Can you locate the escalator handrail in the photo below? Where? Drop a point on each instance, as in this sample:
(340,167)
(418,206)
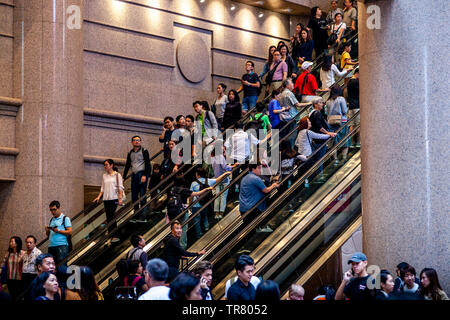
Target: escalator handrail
(258,219)
(120,213)
(94,205)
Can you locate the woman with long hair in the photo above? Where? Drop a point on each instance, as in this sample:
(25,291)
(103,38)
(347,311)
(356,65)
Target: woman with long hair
(112,191)
(337,106)
(267,65)
(46,286)
(430,288)
(12,266)
(220,103)
(304,49)
(233,110)
(328,72)
(292,65)
(89,289)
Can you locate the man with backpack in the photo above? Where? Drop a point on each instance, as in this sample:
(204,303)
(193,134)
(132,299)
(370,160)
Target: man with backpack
(177,203)
(200,184)
(259,120)
(59,232)
(251,85)
(138,159)
(137,253)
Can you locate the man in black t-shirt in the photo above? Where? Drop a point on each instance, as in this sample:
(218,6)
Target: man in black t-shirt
(355,285)
(173,250)
(250,83)
(319,27)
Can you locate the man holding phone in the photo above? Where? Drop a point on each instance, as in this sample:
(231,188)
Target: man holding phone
(204,271)
(354,285)
(58,230)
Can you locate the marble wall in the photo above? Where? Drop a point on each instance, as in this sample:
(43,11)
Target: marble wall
(405,136)
(6,45)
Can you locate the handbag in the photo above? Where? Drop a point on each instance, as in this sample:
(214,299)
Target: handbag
(271,73)
(285,116)
(124,197)
(333,36)
(334,120)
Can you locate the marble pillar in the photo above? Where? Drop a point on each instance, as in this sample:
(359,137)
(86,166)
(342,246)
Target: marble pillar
(48,77)
(405,134)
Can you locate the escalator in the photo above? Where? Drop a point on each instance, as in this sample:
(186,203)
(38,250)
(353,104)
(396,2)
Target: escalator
(296,207)
(92,219)
(155,236)
(102,256)
(105,258)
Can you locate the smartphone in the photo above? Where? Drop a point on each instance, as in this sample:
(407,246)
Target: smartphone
(353,272)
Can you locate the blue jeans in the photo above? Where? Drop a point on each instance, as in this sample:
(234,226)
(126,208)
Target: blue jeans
(59,253)
(138,189)
(249,102)
(200,219)
(183,238)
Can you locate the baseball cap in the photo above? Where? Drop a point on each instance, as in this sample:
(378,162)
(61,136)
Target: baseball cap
(357,257)
(306,65)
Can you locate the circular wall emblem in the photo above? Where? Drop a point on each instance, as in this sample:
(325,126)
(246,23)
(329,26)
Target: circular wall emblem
(193,58)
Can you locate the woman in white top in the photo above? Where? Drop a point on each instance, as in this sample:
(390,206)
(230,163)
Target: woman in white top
(306,136)
(112,191)
(220,103)
(338,27)
(328,72)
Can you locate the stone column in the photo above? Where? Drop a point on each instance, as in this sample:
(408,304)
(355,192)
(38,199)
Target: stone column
(405,135)
(48,77)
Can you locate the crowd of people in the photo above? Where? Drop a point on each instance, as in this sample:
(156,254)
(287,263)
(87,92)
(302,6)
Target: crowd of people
(288,84)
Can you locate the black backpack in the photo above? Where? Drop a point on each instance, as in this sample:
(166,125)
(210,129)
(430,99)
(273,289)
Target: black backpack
(166,165)
(255,124)
(69,237)
(206,196)
(123,266)
(174,203)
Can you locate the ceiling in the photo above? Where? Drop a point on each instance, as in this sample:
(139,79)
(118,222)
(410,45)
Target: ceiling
(280,6)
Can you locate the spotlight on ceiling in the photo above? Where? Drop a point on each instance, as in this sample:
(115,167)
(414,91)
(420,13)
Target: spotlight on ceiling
(201,1)
(260,15)
(260,3)
(232,7)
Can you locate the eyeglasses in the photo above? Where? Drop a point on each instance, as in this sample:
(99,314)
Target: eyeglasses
(136,139)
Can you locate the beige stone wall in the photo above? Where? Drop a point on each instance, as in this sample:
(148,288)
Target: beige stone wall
(6,47)
(131,66)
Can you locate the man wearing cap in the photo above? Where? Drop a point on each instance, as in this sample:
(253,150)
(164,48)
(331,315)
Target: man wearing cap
(306,84)
(354,285)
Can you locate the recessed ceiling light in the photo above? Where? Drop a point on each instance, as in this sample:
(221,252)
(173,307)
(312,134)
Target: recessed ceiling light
(232,7)
(260,15)
(260,3)
(201,1)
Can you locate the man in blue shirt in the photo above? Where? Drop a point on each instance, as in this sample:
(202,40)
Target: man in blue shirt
(57,231)
(242,289)
(252,191)
(202,218)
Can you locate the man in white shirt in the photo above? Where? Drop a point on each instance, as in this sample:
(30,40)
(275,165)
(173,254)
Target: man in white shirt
(29,269)
(156,273)
(238,149)
(240,143)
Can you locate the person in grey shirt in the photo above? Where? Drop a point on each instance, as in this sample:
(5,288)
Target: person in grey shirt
(138,160)
(334,9)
